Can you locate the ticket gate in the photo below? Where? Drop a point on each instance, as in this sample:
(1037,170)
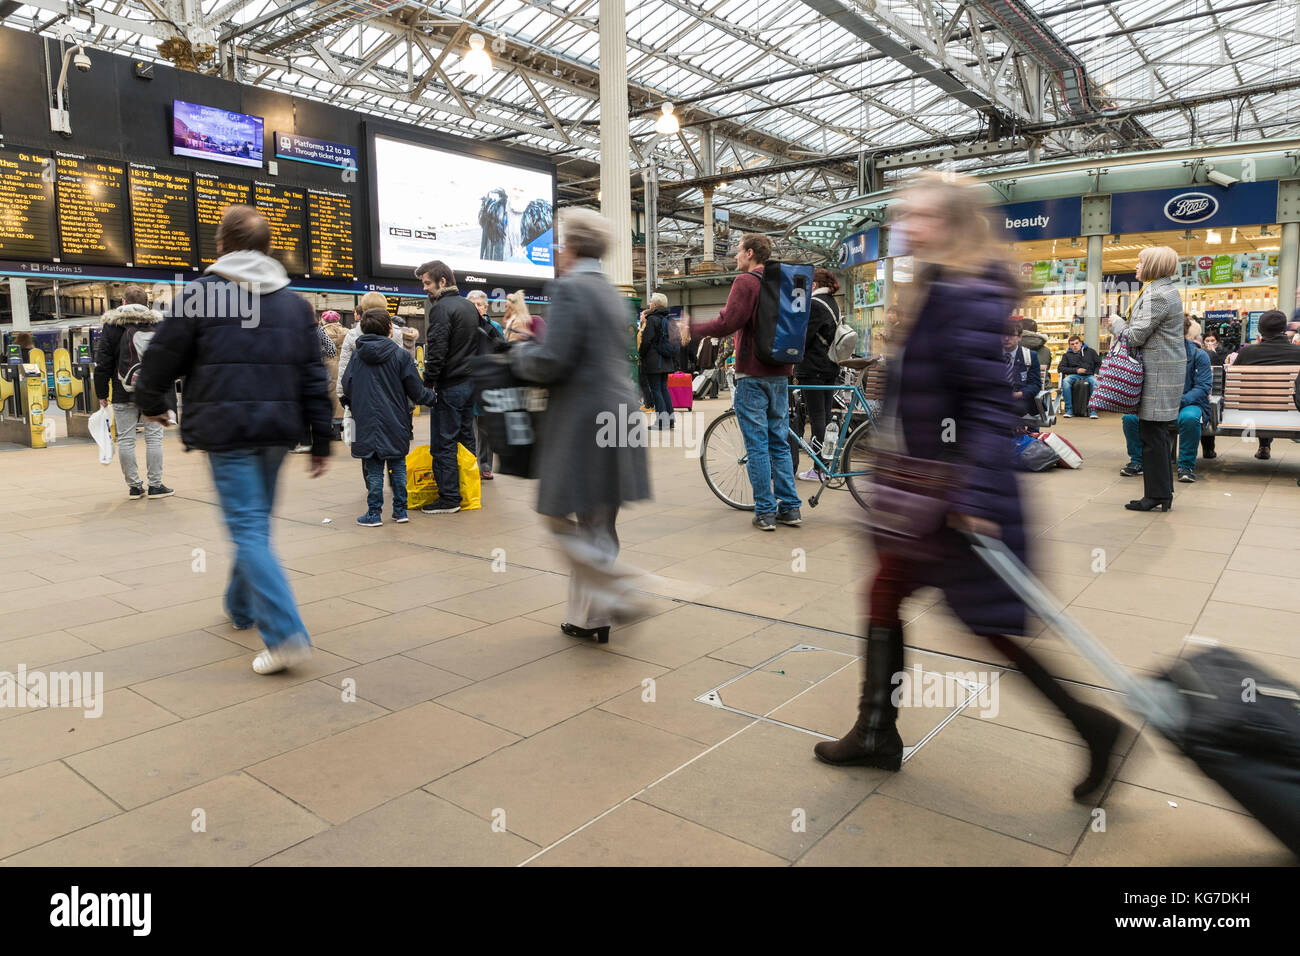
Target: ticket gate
(74,388)
(23,399)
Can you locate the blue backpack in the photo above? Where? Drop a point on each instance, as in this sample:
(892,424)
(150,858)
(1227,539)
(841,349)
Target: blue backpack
(781,322)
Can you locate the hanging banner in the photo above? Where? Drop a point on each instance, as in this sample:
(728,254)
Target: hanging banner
(860,248)
(1244,268)
(1152,210)
(721,231)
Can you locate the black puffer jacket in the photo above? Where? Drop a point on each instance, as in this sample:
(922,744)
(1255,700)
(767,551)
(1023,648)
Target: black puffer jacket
(823,320)
(251,360)
(108,352)
(656,325)
(453,339)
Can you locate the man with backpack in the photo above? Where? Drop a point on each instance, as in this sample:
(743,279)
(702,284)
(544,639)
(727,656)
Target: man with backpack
(126,334)
(761,398)
(660,346)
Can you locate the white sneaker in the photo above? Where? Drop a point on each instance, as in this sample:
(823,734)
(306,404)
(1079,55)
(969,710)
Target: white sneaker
(288,654)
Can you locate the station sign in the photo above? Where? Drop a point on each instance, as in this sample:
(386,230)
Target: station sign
(320,152)
(860,248)
(1156,210)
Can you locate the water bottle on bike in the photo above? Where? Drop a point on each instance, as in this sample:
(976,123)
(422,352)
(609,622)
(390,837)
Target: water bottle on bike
(831,440)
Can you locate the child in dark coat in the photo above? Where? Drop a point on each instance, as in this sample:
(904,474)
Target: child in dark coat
(376,385)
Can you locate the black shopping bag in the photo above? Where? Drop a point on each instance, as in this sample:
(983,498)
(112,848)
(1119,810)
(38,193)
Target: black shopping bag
(510,413)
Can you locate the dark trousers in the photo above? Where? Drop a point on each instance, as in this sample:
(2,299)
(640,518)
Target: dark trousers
(372,469)
(818,404)
(1157,467)
(663,403)
(451,423)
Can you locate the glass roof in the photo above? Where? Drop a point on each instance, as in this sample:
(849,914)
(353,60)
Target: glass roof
(779,83)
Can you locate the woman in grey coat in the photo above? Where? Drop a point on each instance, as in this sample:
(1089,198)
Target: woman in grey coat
(1156,328)
(590,457)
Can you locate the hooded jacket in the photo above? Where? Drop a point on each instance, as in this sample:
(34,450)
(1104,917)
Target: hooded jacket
(249,351)
(1037,342)
(117,322)
(656,327)
(377,384)
(823,322)
(350,343)
(453,339)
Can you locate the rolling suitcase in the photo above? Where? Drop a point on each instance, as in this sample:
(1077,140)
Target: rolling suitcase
(1237,722)
(679,390)
(1080,389)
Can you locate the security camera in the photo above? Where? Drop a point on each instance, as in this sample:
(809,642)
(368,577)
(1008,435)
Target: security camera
(81,62)
(1221,179)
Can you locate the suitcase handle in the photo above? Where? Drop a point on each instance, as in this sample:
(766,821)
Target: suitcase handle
(1157,701)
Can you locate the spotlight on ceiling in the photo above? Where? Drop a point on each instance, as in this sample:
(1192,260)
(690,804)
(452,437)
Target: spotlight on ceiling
(667,124)
(477,62)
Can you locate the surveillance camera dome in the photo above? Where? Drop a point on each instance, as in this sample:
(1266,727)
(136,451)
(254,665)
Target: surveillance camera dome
(82,62)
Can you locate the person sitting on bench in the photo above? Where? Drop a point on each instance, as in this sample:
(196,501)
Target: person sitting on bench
(1194,408)
(1273,348)
(1080,363)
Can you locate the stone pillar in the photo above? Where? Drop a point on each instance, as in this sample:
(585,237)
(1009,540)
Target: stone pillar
(18,305)
(615,164)
(1288,266)
(707,168)
(1092,315)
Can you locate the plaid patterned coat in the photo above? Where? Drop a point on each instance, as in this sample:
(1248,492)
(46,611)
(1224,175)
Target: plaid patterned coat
(1156,330)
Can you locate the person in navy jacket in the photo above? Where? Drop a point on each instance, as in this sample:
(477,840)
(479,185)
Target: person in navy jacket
(1023,372)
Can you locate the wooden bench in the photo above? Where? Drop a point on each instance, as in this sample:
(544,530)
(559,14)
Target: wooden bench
(1258,400)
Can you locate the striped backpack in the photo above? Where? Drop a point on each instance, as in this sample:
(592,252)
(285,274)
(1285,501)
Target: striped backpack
(1118,385)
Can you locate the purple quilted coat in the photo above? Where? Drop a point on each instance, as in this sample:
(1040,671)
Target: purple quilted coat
(969,403)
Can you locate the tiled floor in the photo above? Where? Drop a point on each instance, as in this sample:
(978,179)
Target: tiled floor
(444,719)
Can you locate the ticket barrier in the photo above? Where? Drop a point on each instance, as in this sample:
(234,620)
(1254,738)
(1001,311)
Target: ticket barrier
(23,400)
(74,388)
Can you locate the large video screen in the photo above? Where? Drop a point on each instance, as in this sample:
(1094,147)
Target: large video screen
(478,215)
(206,132)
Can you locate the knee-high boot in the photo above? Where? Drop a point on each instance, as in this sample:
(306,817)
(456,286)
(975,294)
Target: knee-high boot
(873,741)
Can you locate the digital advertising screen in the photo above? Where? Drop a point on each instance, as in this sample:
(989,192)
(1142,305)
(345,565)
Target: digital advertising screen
(483,217)
(223,136)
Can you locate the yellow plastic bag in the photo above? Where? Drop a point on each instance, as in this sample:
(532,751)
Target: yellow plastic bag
(422,490)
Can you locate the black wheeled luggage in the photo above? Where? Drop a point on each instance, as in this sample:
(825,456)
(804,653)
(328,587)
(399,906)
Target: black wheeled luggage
(1240,724)
(1080,389)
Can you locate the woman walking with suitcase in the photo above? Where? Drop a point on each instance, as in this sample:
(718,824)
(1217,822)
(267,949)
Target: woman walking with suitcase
(954,423)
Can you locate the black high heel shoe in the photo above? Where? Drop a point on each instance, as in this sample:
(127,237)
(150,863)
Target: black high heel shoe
(601,634)
(1151,504)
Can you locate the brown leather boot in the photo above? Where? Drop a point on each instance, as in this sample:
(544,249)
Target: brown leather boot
(873,741)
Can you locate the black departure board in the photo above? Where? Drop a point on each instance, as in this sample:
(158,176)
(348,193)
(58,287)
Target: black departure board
(91,213)
(26,206)
(330,235)
(162,213)
(212,195)
(286,210)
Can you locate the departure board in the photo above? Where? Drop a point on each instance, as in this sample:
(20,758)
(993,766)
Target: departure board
(162,213)
(330,235)
(91,214)
(26,206)
(285,209)
(212,195)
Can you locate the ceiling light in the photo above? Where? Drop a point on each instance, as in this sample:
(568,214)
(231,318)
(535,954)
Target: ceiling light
(1213,237)
(667,124)
(476,61)
(1270,248)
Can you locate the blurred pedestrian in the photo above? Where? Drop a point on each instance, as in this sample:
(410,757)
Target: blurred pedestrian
(590,461)
(817,367)
(253,381)
(959,416)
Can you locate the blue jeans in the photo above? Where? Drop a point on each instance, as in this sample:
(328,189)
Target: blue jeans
(259,592)
(1065,391)
(373,471)
(663,401)
(1189,437)
(763,411)
(451,423)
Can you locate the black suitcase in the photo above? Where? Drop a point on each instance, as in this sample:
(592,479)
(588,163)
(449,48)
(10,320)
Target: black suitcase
(1240,724)
(1080,390)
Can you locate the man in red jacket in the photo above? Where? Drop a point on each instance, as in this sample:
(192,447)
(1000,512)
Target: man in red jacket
(761,400)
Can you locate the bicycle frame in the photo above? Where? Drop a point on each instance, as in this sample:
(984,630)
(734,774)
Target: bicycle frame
(856,400)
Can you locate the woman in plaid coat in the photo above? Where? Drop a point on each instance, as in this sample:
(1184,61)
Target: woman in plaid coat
(1156,329)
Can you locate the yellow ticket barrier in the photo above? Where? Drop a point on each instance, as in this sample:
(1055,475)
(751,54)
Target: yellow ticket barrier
(37,358)
(66,385)
(34,375)
(419,367)
(6,390)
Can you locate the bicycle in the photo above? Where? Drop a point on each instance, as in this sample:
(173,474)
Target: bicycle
(724,461)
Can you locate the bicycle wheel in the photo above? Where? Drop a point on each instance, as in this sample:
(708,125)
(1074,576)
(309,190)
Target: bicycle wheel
(723,458)
(856,458)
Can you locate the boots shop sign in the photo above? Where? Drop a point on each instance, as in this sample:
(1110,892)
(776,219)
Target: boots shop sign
(1153,210)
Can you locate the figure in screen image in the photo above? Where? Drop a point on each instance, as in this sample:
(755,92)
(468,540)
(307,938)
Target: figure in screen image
(510,222)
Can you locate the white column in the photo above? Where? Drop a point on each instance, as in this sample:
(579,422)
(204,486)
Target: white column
(615,165)
(18,305)
(1092,315)
(708,225)
(1288,267)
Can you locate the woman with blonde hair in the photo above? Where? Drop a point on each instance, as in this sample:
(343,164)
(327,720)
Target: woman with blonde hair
(518,322)
(956,420)
(1155,330)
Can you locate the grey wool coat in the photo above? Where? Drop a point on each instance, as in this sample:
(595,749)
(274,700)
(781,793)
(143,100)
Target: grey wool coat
(1156,329)
(591,447)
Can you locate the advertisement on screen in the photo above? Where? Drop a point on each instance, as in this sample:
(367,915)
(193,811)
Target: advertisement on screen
(480,216)
(206,132)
